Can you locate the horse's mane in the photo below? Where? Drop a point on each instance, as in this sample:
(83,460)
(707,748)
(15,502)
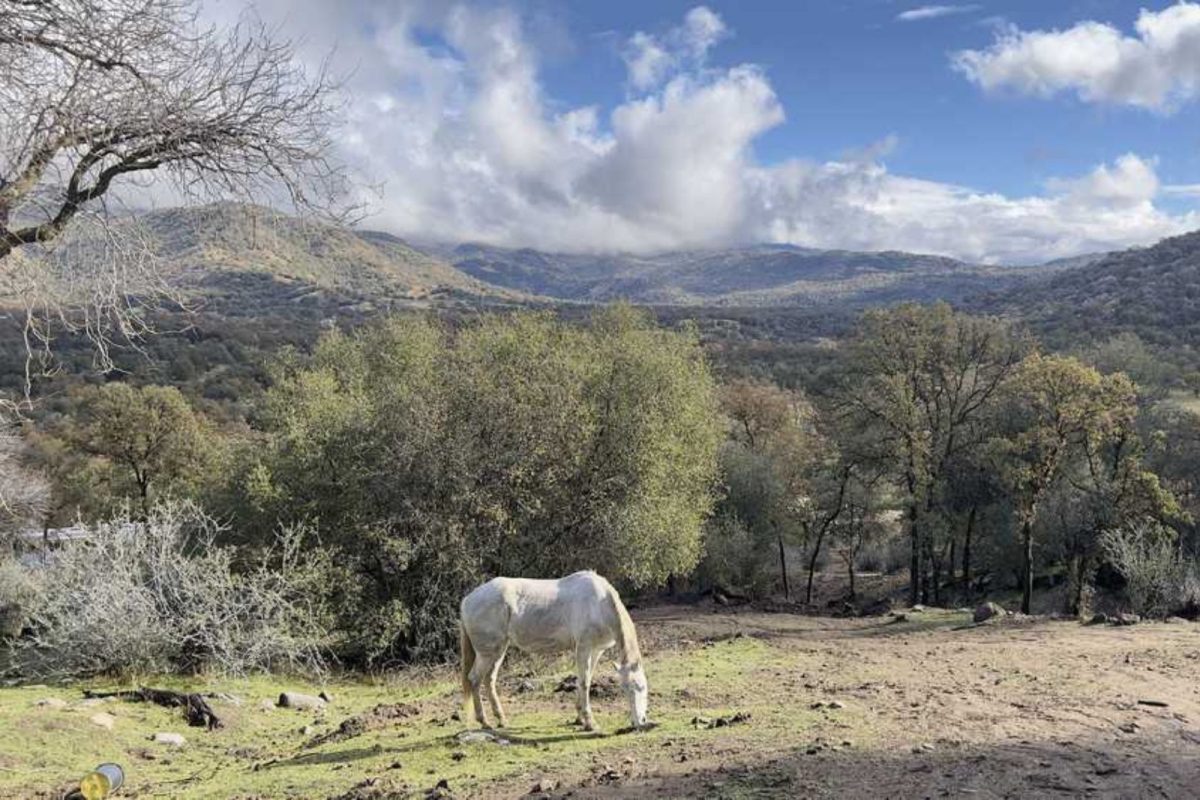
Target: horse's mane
(627,640)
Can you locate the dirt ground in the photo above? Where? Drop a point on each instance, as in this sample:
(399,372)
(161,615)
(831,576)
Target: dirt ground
(927,707)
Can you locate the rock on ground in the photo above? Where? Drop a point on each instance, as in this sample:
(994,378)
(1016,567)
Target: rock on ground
(989,610)
(103,720)
(173,739)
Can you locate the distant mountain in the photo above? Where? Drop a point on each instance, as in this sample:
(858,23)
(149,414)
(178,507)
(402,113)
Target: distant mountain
(761,275)
(1152,291)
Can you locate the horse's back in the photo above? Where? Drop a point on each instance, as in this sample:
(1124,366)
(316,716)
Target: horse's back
(540,614)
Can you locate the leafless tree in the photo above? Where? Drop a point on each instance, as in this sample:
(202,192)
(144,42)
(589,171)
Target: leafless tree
(107,102)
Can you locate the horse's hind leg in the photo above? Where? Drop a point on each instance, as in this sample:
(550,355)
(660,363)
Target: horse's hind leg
(479,673)
(583,663)
(493,697)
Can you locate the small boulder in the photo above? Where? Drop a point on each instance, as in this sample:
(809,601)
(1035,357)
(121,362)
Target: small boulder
(173,739)
(988,611)
(1126,618)
(103,720)
(544,786)
(51,702)
(1098,619)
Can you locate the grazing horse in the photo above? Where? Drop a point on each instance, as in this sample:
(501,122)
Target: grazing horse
(581,612)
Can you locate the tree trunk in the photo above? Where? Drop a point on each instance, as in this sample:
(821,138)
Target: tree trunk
(966,557)
(1027,564)
(144,489)
(926,565)
(853,593)
(812,565)
(914,566)
(952,560)
(787,591)
(1080,569)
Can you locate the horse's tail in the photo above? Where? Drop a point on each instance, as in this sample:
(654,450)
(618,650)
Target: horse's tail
(467,651)
(627,640)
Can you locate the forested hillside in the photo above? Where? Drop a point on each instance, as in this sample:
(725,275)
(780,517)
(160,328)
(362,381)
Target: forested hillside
(753,276)
(1151,291)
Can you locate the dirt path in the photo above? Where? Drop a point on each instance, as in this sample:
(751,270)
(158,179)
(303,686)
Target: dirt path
(928,707)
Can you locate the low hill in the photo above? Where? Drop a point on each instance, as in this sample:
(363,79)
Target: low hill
(235,251)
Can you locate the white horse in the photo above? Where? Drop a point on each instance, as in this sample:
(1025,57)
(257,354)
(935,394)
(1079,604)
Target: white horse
(581,612)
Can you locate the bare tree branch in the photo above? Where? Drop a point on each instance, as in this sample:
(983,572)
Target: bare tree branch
(97,92)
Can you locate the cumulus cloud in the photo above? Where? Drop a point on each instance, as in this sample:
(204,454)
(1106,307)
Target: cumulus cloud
(448,111)
(1158,68)
(863,206)
(649,59)
(933,12)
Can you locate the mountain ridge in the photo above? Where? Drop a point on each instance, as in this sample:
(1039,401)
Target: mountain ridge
(753,275)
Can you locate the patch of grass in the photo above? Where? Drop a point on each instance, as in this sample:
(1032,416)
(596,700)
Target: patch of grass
(261,751)
(929,620)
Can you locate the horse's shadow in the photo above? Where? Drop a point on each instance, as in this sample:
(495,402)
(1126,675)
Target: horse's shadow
(495,738)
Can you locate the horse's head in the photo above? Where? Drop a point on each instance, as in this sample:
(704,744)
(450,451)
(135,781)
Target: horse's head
(633,682)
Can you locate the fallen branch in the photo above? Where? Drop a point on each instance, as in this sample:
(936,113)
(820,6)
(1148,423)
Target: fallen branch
(199,714)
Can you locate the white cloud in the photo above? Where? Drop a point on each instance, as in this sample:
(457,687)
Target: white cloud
(1182,190)
(863,206)
(933,12)
(651,59)
(449,112)
(1157,69)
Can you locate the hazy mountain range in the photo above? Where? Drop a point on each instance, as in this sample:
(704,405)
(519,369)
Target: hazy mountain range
(247,260)
(757,275)
(227,246)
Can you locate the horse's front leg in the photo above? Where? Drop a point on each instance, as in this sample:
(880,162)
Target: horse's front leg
(583,664)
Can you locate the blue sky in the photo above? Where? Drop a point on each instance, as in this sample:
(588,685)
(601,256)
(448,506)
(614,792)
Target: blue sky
(850,73)
(998,130)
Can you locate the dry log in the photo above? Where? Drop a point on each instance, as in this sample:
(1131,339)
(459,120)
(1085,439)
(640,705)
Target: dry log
(197,710)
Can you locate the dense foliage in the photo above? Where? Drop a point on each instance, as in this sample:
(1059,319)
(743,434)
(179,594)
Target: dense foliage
(421,455)
(516,445)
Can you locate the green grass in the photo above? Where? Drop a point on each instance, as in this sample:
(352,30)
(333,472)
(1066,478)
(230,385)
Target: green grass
(262,752)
